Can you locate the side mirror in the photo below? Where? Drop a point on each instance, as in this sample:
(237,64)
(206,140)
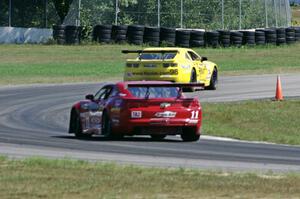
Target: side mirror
(204,59)
(89,97)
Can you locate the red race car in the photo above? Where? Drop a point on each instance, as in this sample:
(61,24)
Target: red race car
(152,108)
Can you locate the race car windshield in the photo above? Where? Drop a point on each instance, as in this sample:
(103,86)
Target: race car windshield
(157,56)
(154,92)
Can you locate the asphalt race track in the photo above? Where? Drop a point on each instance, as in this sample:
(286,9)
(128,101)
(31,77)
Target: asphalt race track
(34,121)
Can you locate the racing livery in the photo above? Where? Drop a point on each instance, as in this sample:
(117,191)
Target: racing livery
(181,65)
(152,108)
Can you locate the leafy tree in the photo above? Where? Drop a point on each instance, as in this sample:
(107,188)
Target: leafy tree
(62,8)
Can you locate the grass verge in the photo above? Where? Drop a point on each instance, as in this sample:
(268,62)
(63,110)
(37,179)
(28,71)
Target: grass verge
(56,64)
(267,120)
(42,178)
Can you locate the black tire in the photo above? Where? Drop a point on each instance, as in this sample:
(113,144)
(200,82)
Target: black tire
(192,80)
(213,80)
(189,134)
(133,28)
(197,43)
(158,137)
(106,128)
(76,126)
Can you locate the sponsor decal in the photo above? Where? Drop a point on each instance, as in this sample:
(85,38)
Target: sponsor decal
(136,114)
(95,120)
(165,114)
(185,66)
(165,105)
(118,103)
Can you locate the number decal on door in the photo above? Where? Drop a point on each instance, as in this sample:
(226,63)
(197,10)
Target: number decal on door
(195,114)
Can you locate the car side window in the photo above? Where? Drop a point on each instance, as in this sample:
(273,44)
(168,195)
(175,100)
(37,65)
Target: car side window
(187,56)
(104,93)
(194,56)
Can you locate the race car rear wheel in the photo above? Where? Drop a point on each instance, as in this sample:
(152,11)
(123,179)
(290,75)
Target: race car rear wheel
(192,80)
(213,80)
(189,134)
(158,137)
(106,125)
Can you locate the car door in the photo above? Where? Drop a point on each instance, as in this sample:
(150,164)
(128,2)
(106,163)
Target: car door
(101,98)
(199,66)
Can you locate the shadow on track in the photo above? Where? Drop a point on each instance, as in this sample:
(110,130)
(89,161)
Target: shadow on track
(125,139)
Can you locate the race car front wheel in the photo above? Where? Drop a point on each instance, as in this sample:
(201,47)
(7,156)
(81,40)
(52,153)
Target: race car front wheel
(78,127)
(213,80)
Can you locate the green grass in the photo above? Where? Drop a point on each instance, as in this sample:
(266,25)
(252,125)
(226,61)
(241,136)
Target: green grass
(54,64)
(296,15)
(267,120)
(42,178)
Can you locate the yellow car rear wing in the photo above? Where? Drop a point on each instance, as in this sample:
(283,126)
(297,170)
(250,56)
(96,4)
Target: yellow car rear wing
(149,51)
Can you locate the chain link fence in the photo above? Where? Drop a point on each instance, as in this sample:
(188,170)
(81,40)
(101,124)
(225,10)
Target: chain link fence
(204,14)
(28,13)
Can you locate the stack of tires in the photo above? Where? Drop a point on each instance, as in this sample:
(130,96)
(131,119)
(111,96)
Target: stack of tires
(167,36)
(73,34)
(118,34)
(102,33)
(59,34)
(183,38)
(151,36)
(281,36)
(197,38)
(260,37)
(290,35)
(135,34)
(297,33)
(212,38)
(236,38)
(271,36)
(248,38)
(224,38)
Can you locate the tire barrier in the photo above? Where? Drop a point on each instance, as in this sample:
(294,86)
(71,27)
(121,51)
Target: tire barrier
(260,37)
(248,38)
(183,38)
(59,34)
(167,36)
(135,34)
(297,33)
(281,36)
(290,35)
(73,34)
(271,36)
(102,33)
(224,38)
(197,38)
(118,34)
(151,36)
(212,38)
(155,36)
(236,38)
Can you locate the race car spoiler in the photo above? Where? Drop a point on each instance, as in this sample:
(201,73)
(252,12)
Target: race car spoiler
(180,85)
(149,51)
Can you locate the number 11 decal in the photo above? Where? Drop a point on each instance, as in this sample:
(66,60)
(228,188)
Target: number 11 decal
(195,114)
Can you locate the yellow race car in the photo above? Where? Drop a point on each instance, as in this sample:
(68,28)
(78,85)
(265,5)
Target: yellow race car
(180,65)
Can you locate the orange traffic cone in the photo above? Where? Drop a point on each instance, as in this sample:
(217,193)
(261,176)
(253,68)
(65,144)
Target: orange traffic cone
(278,96)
